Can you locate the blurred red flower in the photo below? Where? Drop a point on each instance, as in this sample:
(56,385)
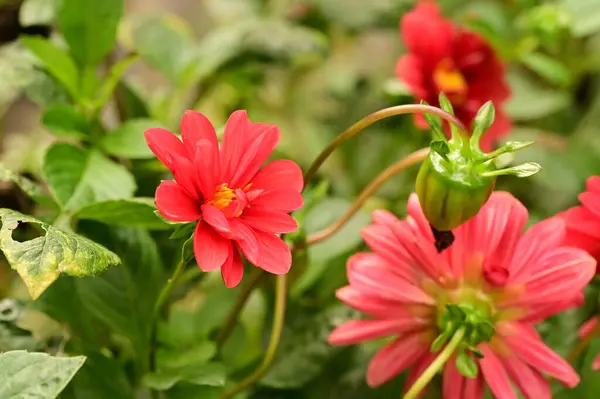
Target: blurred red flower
(238,205)
(445,58)
(513,279)
(583,221)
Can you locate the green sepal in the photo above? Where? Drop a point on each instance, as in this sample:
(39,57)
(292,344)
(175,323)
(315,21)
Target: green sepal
(441,147)
(466,365)
(482,122)
(435,122)
(524,170)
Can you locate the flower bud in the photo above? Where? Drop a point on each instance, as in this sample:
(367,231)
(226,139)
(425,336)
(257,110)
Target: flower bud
(457,178)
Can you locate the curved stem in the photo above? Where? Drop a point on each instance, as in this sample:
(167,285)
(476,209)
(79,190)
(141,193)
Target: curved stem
(240,301)
(371,119)
(278,319)
(583,343)
(158,308)
(436,365)
(384,176)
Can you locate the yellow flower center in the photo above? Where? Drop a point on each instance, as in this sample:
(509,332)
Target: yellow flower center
(450,81)
(223,196)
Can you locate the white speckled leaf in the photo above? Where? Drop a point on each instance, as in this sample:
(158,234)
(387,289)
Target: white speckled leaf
(40,261)
(35,375)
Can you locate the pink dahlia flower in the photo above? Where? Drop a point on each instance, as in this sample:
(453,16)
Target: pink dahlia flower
(238,204)
(588,328)
(513,279)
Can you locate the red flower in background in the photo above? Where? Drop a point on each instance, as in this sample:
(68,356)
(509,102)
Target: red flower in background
(239,206)
(583,221)
(444,58)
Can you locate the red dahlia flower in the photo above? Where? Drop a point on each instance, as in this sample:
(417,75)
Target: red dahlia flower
(237,204)
(509,279)
(583,221)
(588,328)
(445,58)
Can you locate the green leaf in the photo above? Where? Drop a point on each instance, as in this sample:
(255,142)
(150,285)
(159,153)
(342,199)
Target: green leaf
(58,63)
(66,121)
(435,122)
(304,350)
(123,297)
(190,356)
(100,378)
(90,28)
(128,141)
(585,16)
(110,83)
(183,230)
(134,212)
(35,375)
(211,374)
(41,260)
(466,365)
(33,190)
(548,68)
(130,102)
(79,177)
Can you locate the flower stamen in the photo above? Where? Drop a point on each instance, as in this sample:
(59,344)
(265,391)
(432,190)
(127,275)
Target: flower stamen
(223,197)
(449,80)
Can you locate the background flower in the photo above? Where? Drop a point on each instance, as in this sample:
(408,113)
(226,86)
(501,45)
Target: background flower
(443,57)
(511,279)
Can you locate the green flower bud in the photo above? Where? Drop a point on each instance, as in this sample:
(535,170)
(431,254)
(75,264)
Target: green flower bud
(457,178)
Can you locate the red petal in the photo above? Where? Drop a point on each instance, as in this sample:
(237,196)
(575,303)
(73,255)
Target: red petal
(285,200)
(495,375)
(257,153)
(195,129)
(206,164)
(246,240)
(269,221)
(355,331)
(185,175)
(175,204)
(279,174)
(211,250)
(232,145)
(427,34)
(275,255)
(217,220)
(233,269)
(409,71)
(164,145)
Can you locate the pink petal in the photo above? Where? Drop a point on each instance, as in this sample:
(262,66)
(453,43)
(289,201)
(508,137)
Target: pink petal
(255,155)
(356,331)
(528,346)
(427,34)
(164,145)
(417,369)
(396,356)
(452,380)
(588,326)
(233,143)
(591,201)
(269,221)
(275,254)
(541,311)
(532,384)
(495,375)
(233,269)
(215,218)
(596,363)
(197,131)
(285,200)
(379,281)
(211,250)
(246,240)
(474,388)
(560,271)
(372,305)
(279,174)
(175,204)
(417,220)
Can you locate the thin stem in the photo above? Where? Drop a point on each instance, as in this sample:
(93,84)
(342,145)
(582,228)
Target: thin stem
(278,321)
(383,177)
(583,343)
(436,365)
(371,119)
(158,308)
(238,306)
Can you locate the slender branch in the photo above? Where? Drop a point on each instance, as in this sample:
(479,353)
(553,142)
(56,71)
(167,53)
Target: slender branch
(384,176)
(371,119)
(158,308)
(278,321)
(583,343)
(436,365)
(238,306)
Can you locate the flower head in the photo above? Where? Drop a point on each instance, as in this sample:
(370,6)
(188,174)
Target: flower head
(445,58)
(495,280)
(583,221)
(239,206)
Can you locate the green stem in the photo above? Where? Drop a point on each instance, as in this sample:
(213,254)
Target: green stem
(278,320)
(238,306)
(371,119)
(436,365)
(158,308)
